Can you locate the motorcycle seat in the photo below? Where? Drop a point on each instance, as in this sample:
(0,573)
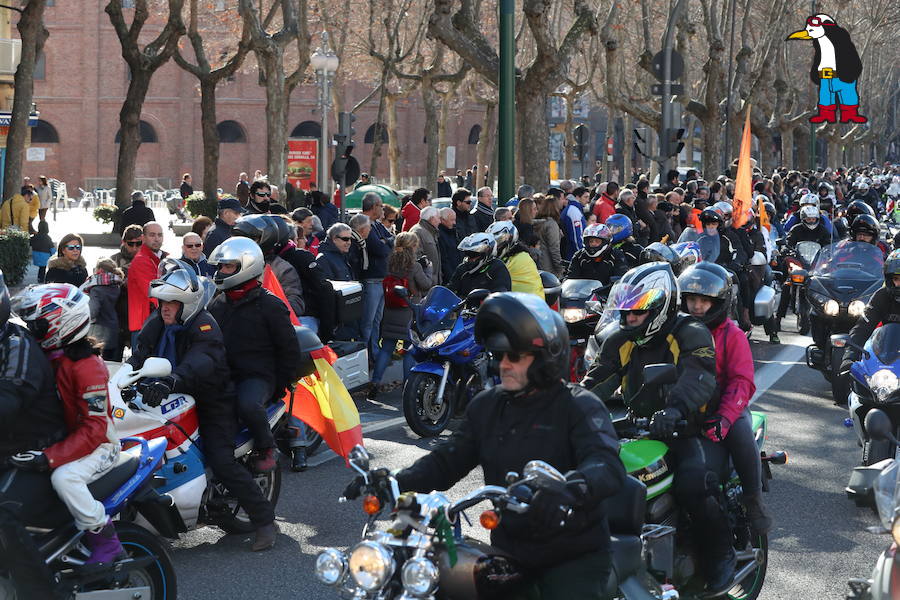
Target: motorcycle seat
(129,461)
(626,560)
(626,510)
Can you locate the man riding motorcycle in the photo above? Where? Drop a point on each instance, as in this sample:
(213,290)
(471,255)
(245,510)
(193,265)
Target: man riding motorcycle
(598,259)
(865,229)
(621,229)
(809,200)
(883,307)
(809,229)
(651,331)
(479,269)
(534,415)
(523,272)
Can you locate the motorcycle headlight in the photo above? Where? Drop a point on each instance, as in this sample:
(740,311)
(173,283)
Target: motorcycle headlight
(883,383)
(856,308)
(573,315)
(331,565)
(436,339)
(371,565)
(419,577)
(832,308)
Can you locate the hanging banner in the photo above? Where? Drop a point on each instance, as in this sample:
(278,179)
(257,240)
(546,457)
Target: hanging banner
(302,162)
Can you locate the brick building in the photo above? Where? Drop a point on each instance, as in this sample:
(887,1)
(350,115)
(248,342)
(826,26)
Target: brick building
(80,84)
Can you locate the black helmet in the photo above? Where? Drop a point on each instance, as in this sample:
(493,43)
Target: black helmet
(856,208)
(710,280)
(4,303)
(891,269)
(659,252)
(865,224)
(711,215)
(651,287)
(262,229)
(518,322)
(770,210)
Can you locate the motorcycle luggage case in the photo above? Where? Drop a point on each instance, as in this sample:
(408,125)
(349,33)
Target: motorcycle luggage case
(764,304)
(349,299)
(862,482)
(352,365)
(309,342)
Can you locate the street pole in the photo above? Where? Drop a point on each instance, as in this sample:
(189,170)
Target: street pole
(323,151)
(812,127)
(726,149)
(664,159)
(325,63)
(506,170)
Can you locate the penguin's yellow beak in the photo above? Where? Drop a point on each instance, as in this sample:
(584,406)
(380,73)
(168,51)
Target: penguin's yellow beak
(799,35)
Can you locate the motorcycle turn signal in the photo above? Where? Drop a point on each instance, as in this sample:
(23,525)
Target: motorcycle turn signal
(371,505)
(490,520)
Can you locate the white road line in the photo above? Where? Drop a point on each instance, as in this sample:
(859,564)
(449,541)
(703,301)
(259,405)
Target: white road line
(328,454)
(778,366)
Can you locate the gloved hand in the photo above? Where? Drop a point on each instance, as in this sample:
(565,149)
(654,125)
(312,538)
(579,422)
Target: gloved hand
(663,422)
(378,485)
(550,507)
(154,391)
(716,428)
(845,368)
(31,460)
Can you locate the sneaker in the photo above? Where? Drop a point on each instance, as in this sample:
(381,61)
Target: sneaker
(760,521)
(104,544)
(720,573)
(265,461)
(265,537)
(774,339)
(298,460)
(373,391)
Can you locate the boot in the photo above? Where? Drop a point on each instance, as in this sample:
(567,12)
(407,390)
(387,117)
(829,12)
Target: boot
(372,393)
(720,572)
(773,338)
(265,537)
(104,544)
(265,460)
(827,114)
(760,521)
(298,460)
(849,114)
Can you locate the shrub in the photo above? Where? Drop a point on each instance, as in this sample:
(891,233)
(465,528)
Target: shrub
(197,205)
(106,213)
(15,253)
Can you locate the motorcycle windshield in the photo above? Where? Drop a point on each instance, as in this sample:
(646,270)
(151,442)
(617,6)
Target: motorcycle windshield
(852,260)
(808,251)
(887,494)
(436,310)
(709,247)
(580,289)
(886,343)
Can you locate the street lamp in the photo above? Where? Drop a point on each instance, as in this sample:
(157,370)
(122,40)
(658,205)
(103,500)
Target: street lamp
(325,63)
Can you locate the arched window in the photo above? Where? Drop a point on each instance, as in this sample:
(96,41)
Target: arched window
(231,132)
(44,133)
(307,129)
(474,134)
(370,134)
(148,134)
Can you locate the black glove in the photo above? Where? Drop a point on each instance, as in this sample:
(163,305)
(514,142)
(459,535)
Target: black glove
(154,391)
(378,485)
(551,506)
(31,460)
(663,422)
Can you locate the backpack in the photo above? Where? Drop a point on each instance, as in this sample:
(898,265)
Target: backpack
(391,299)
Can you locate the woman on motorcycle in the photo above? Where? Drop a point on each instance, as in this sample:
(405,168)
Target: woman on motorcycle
(523,272)
(59,316)
(479,269)
(706,293)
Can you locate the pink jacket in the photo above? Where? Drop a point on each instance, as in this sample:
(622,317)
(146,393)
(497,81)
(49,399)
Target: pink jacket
(734,370)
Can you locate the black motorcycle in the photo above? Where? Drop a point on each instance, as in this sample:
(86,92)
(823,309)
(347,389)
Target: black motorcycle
(841,281)
(796,264)
(581,304)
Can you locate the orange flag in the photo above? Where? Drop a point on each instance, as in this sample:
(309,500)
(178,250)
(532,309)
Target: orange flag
(270,282)
(743,191)
(763,215)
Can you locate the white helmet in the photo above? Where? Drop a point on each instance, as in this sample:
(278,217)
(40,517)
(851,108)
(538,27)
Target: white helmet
(177,282)
(477,250)
(601,232)
(810,199)
(58,314)
(863,187)
(243,252)
(505,234)
(809,212)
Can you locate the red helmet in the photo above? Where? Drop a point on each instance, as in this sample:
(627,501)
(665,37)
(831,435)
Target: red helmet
(57,314)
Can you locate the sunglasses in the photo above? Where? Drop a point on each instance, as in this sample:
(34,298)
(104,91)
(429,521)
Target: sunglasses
(466,201)
(136,244)
(638,313)
(513,357)
(264,194)
(345,239)
(193,245)
(73,247)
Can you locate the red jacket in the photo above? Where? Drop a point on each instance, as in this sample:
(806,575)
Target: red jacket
(410,214)
(141,272)
(604,207)
(734,370)
(82,388)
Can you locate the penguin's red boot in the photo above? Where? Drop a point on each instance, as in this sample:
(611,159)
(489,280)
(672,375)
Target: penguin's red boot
(827,114)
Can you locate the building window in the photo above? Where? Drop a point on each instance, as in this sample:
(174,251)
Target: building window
(231,132)
(370,134)
(307,129)
(219,5)
(40,66)
(44,133)
(148,134)
(475,134)
(127,3)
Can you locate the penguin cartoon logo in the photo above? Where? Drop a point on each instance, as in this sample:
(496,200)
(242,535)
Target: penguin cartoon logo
(835,68)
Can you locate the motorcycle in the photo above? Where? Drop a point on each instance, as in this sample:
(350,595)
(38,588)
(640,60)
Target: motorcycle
(797,262)
(129,488)
(581,305)
(451,367)
(843,278)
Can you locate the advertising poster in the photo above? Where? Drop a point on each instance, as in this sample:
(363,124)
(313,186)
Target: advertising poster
(302,162)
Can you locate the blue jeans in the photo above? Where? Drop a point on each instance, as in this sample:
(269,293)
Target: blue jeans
(373,309)
(835,91)
(383,359)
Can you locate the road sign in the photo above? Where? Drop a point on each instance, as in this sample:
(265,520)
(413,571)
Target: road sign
(657,89)
(677,65)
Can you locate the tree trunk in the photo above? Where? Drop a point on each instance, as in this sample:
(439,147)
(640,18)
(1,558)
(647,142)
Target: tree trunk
(429,103)
(210,137)
(442,130)
(485,151)
(130,136)
(568,149)
(531,110)
(393,140)
(787,148)
(379,121)
(801,138)
(768,155)
(33,34)
(711,146)
(276,114)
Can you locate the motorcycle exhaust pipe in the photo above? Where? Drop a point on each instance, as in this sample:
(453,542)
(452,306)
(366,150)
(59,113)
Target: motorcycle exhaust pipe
(747,569)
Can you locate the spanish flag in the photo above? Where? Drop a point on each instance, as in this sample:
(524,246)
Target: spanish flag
(743,189)
(322,401)
(270,282)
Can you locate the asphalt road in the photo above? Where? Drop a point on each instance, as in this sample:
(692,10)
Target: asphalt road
(820,538)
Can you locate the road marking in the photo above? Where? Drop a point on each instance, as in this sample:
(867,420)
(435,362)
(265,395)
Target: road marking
(777,367)
(328,454)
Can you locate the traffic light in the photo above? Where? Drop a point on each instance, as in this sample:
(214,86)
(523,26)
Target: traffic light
(581,142)
(345,168)
(640,144)
(672,142)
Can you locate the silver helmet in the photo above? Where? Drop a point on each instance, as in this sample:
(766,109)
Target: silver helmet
(178,282)
(244,253)
(477,250)
(505,234)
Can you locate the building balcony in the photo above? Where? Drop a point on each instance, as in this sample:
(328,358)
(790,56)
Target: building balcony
(10,53)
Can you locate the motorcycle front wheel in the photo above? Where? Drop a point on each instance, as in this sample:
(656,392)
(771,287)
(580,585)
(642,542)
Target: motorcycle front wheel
(425,414)
(840,385)
(751,586)
(802,313)
(233,518)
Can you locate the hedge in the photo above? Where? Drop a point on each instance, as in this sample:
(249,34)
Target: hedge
(106,213)
(197,206)
(15,254)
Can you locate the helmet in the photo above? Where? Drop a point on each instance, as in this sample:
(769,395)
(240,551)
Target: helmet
(265,230)
(863,187)
(659,252)
(865,224)
(711,215)
(856,208)
(651,287)
(809,212)
(4,303)
(824,186)
(619,226)
(505,234)
(724,208)
(58,314)
(241,251)
(770,210)
(689,253)
(808,199)
(478,250)
(891,269)
(710,280)
(518,322)
(600,232)
(177,282)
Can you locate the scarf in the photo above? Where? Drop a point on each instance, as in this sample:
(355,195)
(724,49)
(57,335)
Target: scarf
(236,293)
(166,347)
(361,241)
(481,208)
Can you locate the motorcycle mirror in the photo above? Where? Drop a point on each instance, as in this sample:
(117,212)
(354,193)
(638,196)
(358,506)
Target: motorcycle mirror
(878,425)
(511,477)
(594,306)
(843,340)
(476,297)
(401,291)
(541,471)
(660,373)
(359,459)
(156,367)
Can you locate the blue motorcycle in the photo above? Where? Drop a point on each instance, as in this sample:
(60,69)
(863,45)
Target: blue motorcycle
(128,489)
(451,366)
